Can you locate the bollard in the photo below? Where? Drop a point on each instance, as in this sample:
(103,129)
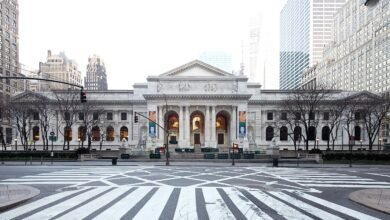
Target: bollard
(114,160)
(275,162)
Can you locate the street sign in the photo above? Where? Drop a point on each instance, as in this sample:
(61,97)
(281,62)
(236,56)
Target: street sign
(52,138)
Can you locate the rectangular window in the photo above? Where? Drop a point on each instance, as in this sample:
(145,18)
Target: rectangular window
(270,116)
(297,116)
(311,116)
(95,116)
(36,116)
(326,115)
(357,116)
(123,116)
(109,116)
(283,116)
(67,116)
(81,116)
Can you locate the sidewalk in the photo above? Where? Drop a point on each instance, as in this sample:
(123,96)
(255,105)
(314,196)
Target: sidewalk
(11,195)
(378,199)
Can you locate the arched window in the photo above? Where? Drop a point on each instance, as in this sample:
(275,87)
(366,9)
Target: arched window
(269,133)
(96,133)
(358,133)
(68,133)
(311,136)
(82,133)
(110,133)
(173,121)
(325,133)
(297,133)
(283,133)
(124,133)
(221,122)
(36,133)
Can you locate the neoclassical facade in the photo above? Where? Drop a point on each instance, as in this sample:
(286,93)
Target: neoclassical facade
(198,106)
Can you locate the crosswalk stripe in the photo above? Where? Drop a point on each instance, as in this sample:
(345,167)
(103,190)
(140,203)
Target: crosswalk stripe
(67,204)
(347,185)
(215,205)
(121,207)
(357,182)
(35,205)
(250,210)
(328,179)
(304,206)
(85,210)
(42,183)
(339,208)
(280,207)
(186,206)
(154,207)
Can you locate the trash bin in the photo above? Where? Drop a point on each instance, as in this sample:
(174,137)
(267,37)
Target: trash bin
(114,160)
(275,162)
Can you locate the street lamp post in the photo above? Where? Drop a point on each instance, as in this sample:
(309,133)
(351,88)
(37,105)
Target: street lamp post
(79,142)
(317,140)
(361,144)
(16,144)
(379,144)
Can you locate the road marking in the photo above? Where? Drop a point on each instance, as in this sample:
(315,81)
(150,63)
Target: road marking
(121,207)
(67,204)
(250,210)
(348,186)
(36,204)
(280,207)
(186,206)
(216,207)
(339,208)
(153,208)
(305,207)
(83,211)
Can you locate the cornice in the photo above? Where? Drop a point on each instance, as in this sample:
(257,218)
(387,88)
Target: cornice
(198,96)
(197,78)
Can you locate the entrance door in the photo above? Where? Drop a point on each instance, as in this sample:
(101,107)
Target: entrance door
(196,138)
(221,139)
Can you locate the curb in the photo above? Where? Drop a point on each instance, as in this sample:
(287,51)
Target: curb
(369,195)
(32,192)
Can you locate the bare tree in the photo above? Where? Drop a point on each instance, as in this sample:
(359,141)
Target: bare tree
(68,105)
(292,124)
(46,113)
(92,114)
(335,110)
(304,105)
(21,115)
(373,114)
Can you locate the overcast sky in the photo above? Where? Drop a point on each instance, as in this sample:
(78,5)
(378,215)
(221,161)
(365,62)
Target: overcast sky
(141,38)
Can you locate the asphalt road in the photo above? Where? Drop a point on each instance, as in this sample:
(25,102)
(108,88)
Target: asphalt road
(194,191)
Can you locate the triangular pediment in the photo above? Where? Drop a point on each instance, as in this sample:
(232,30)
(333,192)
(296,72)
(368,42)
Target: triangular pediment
(196,68)
(363,96)
(28,96)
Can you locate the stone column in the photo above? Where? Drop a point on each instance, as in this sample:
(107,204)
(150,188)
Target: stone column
(160,133)
(187,126)
(130,127)
(213,128)
(233,125)
(181,126)
(207,127)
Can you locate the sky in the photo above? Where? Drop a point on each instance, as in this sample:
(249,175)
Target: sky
(141,38)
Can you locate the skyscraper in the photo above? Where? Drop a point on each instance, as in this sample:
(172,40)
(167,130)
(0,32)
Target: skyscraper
(305,29)
(96,78)
(9,48)
(60,67)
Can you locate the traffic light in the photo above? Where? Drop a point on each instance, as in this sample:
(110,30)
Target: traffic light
(83,96)
(135,117)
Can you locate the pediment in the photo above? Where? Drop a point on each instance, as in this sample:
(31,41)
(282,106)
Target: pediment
(196,68)
(364,96)
(28,96)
